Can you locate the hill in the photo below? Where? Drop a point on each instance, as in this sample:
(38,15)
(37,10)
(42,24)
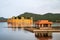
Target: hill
(47,16)
(2,19)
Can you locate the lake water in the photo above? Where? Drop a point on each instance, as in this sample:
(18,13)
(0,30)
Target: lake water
(20,34)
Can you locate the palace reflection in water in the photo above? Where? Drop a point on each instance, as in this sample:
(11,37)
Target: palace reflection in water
(22,34)
(38,37)
(45,37)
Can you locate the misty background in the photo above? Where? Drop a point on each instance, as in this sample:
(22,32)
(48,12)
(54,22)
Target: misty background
(9,8)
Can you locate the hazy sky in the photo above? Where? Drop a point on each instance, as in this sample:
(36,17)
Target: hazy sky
(9,8)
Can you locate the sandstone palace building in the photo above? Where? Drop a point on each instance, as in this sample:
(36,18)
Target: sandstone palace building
(22,22)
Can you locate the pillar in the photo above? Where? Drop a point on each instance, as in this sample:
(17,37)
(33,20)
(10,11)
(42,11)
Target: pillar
(42,25)
(36,34)
(49,34)
(39,26)
(42,34)
(49,25)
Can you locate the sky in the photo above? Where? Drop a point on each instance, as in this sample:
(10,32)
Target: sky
(9,8)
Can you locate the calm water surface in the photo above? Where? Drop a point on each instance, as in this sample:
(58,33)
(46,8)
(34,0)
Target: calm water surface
(20,34)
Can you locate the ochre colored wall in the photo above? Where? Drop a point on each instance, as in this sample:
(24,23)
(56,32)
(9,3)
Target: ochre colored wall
(21,22)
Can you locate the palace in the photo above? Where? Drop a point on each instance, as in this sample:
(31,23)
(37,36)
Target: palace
(42,27)
(22,22)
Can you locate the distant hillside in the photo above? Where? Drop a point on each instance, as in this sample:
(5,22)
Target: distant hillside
(28,15)
(2,19)
(47,16)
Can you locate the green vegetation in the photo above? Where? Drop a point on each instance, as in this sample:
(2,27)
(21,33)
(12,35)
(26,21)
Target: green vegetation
(2,19)
(47,16)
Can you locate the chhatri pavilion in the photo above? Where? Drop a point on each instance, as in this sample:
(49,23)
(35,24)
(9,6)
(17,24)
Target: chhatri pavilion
(43,24)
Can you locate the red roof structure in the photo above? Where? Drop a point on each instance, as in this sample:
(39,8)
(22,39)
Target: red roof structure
(43,22)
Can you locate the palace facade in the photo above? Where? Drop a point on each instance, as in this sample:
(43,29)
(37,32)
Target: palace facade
(22,22)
